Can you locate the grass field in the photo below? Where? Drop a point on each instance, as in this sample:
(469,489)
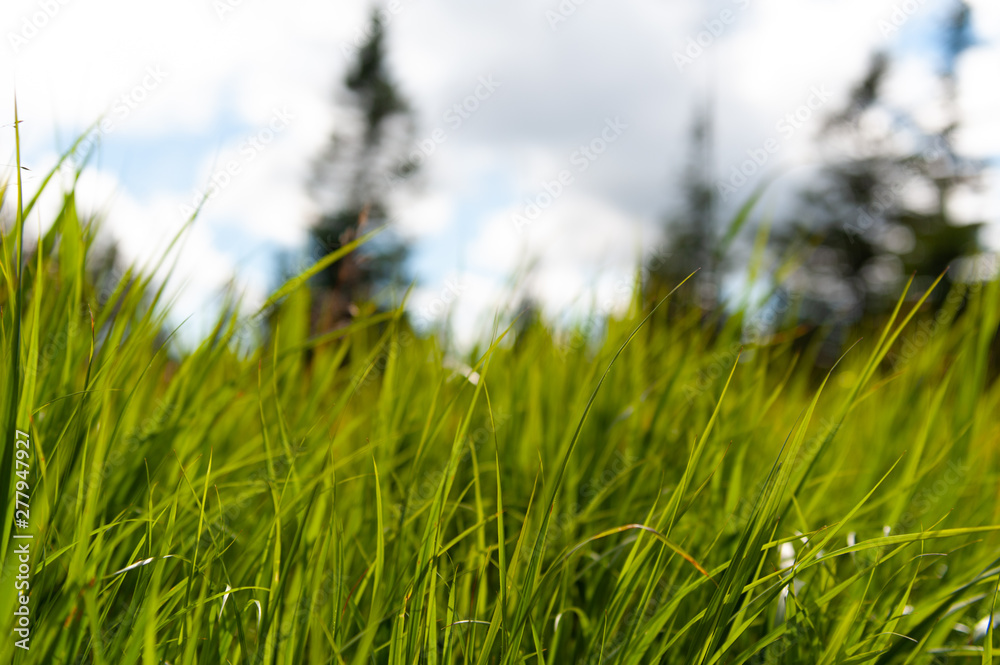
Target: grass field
(673,492)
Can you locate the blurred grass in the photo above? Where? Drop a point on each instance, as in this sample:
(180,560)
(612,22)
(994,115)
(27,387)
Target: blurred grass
(667,494)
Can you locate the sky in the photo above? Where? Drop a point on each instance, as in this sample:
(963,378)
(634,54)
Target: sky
(564,152)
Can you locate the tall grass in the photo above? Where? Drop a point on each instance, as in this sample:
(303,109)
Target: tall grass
(667,494)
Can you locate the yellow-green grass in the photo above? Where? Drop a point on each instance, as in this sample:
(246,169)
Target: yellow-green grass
(671,492)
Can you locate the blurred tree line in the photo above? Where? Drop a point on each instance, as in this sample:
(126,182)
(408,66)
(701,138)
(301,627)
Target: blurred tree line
(878,210)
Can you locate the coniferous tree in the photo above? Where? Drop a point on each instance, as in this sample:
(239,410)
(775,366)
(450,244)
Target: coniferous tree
(881,207)
(690,231)
(353,179)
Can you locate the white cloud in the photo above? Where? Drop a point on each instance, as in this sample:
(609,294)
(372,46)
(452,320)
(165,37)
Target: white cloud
(986,18)
(912,84)
(979,100)
(557,87)
(571,244)
(981,204)
(425,213)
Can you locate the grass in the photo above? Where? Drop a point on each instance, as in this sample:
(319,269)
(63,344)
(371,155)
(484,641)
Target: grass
(670,493)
